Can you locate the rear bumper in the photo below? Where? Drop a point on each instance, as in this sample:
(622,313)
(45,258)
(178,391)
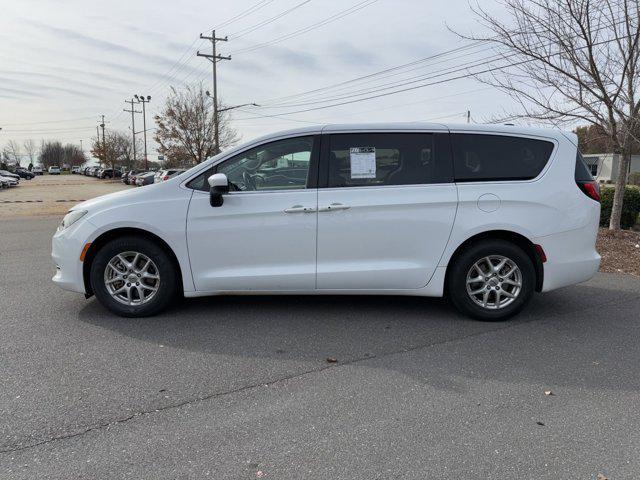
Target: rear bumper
(571,257)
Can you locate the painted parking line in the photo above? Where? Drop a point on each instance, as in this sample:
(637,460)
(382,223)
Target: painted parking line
(41,201)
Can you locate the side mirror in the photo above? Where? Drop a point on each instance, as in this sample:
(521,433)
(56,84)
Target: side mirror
(219,185)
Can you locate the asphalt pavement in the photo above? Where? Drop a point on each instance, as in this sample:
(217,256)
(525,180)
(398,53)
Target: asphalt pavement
(240,387)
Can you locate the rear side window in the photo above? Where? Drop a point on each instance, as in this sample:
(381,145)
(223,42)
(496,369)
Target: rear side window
(583,173)
(372,159)
(496,157)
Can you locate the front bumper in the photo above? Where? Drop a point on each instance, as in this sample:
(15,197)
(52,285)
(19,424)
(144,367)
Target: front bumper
(66,247)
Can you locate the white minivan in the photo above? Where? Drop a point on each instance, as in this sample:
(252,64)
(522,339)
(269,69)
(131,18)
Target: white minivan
(486,215)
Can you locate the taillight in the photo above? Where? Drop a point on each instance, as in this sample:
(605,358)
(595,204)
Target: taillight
(590,189)
(166,177)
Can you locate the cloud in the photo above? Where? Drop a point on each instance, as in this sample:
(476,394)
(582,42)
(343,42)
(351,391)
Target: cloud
(105,45)
(87,86)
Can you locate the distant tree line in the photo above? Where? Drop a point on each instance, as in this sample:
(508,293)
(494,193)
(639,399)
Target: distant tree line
(50,152)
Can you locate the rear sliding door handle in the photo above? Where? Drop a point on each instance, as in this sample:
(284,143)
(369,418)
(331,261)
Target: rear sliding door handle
(299,209)
(334,206)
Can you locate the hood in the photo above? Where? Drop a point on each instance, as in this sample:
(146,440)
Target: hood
(123,197)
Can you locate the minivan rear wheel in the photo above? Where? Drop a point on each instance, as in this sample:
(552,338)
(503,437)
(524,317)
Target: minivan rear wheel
(491,280)
(133,277)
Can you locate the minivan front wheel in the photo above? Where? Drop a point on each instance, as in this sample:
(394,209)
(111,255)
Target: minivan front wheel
(133,277)
(491,280)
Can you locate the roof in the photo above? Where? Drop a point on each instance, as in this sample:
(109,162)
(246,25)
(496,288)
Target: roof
(421,126)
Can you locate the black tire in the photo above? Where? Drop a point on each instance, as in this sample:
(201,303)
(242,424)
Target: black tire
(166,292)
(461,266)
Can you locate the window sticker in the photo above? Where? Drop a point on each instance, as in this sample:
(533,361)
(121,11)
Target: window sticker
(363,162)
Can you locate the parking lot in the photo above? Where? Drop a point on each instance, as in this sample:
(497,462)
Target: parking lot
(241,387)
(52,194)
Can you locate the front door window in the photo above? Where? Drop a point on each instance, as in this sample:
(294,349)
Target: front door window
(279,165)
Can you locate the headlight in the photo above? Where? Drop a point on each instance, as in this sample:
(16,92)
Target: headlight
(70,218)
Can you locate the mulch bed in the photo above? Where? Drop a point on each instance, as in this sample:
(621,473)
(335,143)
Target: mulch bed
(620,251)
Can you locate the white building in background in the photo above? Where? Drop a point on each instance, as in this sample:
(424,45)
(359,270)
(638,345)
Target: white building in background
(604,166)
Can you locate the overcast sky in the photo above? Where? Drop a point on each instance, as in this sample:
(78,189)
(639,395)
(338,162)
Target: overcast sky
(65,62)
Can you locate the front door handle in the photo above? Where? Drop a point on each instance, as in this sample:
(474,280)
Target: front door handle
(299,209)
(334,206)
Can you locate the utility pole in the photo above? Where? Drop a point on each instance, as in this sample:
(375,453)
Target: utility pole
(141,99)
(214,58)
(133,126)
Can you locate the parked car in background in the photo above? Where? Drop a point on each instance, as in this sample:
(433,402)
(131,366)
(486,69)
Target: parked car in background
(164,175)
(54,170)
(129,176)
(488,214)
(75,170)
(37,170)
(145,179)
(109,173)
(9,181)
(8,174)
(24,173)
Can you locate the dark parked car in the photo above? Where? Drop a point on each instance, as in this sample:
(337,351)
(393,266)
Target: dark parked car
(24,173)
(110,173)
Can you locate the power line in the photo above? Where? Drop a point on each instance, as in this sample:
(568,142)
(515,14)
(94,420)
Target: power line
(253,28)
(273,103)
(332,18)
(357,79)
(414,80)
(488,70)
(47,121)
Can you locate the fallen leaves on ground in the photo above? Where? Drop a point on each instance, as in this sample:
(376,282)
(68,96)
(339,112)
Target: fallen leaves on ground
(332,360)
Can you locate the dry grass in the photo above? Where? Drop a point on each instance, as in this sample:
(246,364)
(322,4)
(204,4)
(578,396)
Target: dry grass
(620,251)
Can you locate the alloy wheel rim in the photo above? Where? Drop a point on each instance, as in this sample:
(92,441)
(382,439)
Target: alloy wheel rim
(494,282)
(132,278)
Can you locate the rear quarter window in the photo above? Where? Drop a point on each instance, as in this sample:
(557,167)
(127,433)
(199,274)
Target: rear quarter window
(480,157)
(582,172)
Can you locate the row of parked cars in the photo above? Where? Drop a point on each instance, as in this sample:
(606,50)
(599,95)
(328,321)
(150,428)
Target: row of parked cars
(98,172)
(140,178)
(132,177)
(12,179)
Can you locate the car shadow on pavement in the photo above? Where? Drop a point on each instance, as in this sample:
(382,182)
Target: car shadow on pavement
(559,329)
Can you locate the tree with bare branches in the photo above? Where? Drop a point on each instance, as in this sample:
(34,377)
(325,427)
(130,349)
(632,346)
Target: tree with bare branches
(186,125)
(31,150)
(116,150)
(12,153)
(568,61)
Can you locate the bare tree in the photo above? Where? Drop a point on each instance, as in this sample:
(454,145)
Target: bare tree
(55,153)
(51,153)
(186,125)
(31,150)
(12,152)
(565,61)
(115,151)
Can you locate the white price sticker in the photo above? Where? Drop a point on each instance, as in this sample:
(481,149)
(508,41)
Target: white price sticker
(363,162)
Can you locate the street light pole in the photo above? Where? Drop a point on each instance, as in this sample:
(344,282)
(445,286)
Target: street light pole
(238,106)
(141,99)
